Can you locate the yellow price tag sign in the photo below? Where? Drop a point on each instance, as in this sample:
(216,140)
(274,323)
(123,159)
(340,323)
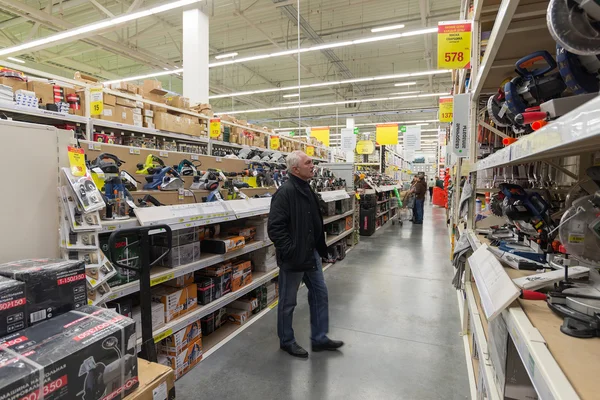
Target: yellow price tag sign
(365,147)
(163,335)
(274,143)
(454,45)
(76,160)
(446,109)
(162,279)
(96,101)
(215,128)
(310,151)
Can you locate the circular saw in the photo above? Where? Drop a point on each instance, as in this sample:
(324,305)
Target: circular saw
(580,73)
(575,25)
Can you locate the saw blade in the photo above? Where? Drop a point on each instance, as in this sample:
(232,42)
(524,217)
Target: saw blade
(573,28)
(494,110)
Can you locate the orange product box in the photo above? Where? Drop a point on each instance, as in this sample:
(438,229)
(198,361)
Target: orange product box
(181,281)
(176,301)
(187,358)
(222,245)
(237,316)
(174,344)
(241,275)
(349,222)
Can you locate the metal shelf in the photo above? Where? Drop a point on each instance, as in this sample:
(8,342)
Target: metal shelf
(114,224)
(147,131)
(383,213)
(336,238)
(258,278)
(329,220)
(38,112)
(163,274)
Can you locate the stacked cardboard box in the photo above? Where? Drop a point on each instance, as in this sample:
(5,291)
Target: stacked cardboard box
(157,382)
(176,301)
(183,349)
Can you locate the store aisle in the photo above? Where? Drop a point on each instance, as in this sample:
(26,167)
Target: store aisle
(391,302)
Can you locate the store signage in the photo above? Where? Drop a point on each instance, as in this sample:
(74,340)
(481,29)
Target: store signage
(321,134)
(310,151)
(460,126)
(412,137)
(365,147)
(96,101)
(454,44)
(386,134)
(409,155)
(274,143)
(348,139)
(215,128)
(446,107)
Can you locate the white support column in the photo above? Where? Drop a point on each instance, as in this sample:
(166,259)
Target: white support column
(195,56)
(350,154)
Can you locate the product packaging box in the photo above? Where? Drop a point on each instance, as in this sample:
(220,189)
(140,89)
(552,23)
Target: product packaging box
(13,306)
(208,324)
(157,382)
(109,99)
(181,281)
(85,354)
(179,102)
(220,276)
(180,236)
(185,360)
(178,341)
(176,301)
(108,114)
(15,84)
(53,287)
(238,317)
(241,275)
(43,91)
(222,245)
(158,317)
(122,101)
(206,288)
(247,233)
(220,317)
(244,304)
(179,255)
(123,307)
(349,222)
(264,260)
(124,115)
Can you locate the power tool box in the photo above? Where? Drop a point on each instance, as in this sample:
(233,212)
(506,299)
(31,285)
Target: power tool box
(13,306)
(85,354)
(52,287)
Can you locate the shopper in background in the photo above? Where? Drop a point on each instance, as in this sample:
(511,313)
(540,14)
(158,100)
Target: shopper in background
(420,189)
(430,185)
(296,228)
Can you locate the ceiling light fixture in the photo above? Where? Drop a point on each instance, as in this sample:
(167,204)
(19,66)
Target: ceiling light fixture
(227,55)
(333,103)
(402,93)
(85,29)
(291,95)
(334,83)
(15,59)
(142,77)
(368,124)
(405,83)
(387,28)
(294,102)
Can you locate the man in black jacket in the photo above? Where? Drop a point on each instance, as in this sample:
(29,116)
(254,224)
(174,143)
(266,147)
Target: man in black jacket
(296,229)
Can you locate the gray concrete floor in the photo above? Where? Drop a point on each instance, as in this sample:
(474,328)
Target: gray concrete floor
(391,302)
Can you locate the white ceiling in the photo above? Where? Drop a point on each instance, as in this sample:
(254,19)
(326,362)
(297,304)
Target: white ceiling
(252,27)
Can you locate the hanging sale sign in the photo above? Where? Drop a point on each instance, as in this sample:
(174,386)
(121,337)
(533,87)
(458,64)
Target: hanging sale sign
(96,101)
(454,45)
(386,134)
(321,134)
(348,139)
(412,137)
(310,151)
(446,109)
(274,143)
(459,136)
(215,128)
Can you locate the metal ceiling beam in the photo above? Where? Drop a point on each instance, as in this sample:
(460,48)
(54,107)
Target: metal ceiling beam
(57,5)
(424,13)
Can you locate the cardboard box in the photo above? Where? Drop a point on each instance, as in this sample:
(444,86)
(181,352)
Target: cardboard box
(181,281)
(179,255)
(241,275)
(109,99)
(247,232)
(176,301)
(222,246)
(179,102)
(15,84)
(264,260)
(43,91)
(185,360)
(244,304)
(157,382)
(178,341)
(13,306)
(74,350)
(158,317)
(124,115)
(220,276)
(123,307)
(148,113)
(108,113)
(237,317)
(152,86)
(122,101)
(181,237)
(53,287)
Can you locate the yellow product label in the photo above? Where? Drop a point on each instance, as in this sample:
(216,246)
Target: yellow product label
(576,238)
(162,279)
(215,128)
(96,102)
(446,109)
(310,151)
(454,45)
(274,304)
(76,160)
(274,143)
(163,335)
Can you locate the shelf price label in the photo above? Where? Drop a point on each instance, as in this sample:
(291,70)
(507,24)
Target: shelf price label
(163,335)
(162,279)
(215,128)
(96,101)
(310,151)
(274,142)
(454,45)
(446,108)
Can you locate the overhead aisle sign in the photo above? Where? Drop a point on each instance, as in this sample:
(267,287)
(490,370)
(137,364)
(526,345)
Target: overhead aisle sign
(460,136)
(412,137)
(321,134)
(454,45)
(386,134)
(348,139)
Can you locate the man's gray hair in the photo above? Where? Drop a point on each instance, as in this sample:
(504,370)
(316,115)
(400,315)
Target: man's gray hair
(293,159)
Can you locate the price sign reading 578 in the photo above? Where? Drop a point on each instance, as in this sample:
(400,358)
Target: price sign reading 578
(454,45)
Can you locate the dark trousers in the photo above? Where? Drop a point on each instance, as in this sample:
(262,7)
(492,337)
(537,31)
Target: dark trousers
(419,210)
(318,301)
(431,192)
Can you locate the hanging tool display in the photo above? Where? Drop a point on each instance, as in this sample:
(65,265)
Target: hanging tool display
(150,166)
(113,184)
(574,25)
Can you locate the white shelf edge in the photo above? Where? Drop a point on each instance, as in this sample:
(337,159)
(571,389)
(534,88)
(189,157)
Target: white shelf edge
(329,220)
(38,112)
(147,131)
(336,238)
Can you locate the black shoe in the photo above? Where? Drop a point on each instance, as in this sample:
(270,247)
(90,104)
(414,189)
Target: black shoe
(330,345)
(295,350)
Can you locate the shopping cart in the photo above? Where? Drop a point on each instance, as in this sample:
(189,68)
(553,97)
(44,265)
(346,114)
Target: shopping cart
(408,203)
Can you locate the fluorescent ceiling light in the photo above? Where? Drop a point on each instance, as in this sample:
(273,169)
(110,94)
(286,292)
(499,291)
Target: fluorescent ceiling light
(402,93)
(333,83)
(387,28)
(401,123)
(141,77)
(291,95)
(294,102)
(326,46)
(82,30)
(405,83)
(15,59)
(227,55)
